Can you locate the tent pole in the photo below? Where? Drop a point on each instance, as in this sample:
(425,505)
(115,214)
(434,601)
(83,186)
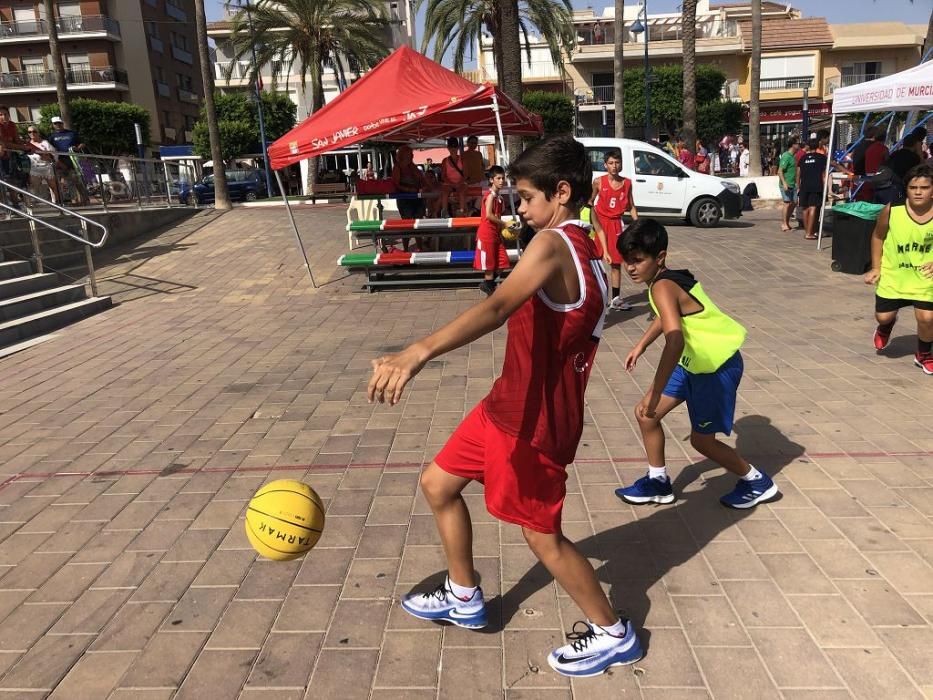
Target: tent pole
(826,183)
(502,157)
(288,208)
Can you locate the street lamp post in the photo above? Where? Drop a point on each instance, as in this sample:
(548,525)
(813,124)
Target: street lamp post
(262,124)
(641,25)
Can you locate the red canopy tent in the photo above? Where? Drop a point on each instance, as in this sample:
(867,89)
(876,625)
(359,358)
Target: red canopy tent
(407,97)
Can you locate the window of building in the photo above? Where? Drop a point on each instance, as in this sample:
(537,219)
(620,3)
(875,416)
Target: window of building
(24,15)
(160,74)
(166,118)
(647,163)
(179,41)
(69,9)
(33,64)
(860,72)
(79,67)
(189,122)
(183,81)
(774,67)
(152,29)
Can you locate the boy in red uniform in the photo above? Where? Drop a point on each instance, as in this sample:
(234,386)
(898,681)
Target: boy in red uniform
(613,196)
(491,255)
(519,439)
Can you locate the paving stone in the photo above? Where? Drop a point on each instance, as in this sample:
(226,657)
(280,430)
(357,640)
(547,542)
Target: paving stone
(307,609)
(131,627)
(165,661)
(94,676)
(873,672)
(357,624)
(344,673)
(46,663)
(89,613)
(28,623)
(286,659)
(734,672)
(217,672)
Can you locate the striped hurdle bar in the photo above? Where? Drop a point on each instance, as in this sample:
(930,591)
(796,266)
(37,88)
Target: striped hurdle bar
(395,225)
(397,258)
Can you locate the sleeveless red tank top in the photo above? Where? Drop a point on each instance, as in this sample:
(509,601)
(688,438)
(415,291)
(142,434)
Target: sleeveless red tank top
(487,229)
(612,203)
(548,358)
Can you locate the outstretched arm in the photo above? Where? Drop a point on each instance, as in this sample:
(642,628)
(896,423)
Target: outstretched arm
(877,245)
(537,265)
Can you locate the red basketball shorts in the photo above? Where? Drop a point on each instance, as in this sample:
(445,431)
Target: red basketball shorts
(613,230)
(522,486)
(490,254)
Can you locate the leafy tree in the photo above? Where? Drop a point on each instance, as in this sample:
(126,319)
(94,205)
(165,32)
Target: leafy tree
(717,118)
(555,109)
(238,122)
(311,35)
(667,94)
(105,127)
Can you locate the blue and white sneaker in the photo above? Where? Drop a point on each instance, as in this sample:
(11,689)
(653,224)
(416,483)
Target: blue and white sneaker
(748,494)
(592,650)
(442,604)
(647,490)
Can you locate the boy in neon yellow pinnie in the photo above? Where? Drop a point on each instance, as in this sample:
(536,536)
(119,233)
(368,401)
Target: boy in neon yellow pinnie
(700,365)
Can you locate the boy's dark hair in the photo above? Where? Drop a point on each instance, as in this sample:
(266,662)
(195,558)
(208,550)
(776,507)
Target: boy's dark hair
(813,144)
(911,140)
(922,170)
(791,141)
(643,235)
(612,153)
(558,158)
(453,142)
(495,170)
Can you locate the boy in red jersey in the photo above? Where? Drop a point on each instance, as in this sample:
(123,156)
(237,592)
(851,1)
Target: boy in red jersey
(613,196)
(519,439)
(491,255)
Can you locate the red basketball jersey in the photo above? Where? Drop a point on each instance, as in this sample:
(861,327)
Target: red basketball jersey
(612,203)
(548,358)
(485,227)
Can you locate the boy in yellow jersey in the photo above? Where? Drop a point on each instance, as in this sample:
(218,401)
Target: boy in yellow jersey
(902,264)
(701,364)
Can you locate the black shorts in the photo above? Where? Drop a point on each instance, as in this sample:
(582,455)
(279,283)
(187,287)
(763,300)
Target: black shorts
(810,199)
(883,306)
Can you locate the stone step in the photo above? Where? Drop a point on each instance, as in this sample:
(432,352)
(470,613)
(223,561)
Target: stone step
(27,284)
(29,304)
(9,270)
(48,320)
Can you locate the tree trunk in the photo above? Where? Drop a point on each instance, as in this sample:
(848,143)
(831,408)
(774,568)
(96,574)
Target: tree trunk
(221,195)
(511,47)
(317,101)
(618,26)
(58,69)
(689,23)
(754,120)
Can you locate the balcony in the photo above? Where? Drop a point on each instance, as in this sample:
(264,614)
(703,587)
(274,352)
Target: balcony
(188,96)
(107,77)
(85,26)
(155,43)
(662,29)
(600,95)
(181,54)
(175,12)
(239,71)
(730,90)
(537,70)
(832,84)
(794,83)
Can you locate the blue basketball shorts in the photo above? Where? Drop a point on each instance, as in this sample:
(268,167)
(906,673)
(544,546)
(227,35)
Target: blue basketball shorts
(711,397)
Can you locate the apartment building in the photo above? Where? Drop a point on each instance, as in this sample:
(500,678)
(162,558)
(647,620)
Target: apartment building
(797,52)
(399,12)
(139,51)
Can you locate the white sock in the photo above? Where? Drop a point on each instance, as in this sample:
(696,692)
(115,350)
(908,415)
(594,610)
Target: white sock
(462,592)
(752,474)
(616,630)
(657,472)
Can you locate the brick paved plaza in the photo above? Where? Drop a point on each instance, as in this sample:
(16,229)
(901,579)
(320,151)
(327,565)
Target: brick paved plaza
(132,441)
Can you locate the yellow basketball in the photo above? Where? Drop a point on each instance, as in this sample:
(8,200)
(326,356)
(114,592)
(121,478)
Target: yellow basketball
(509,234)
(284,519)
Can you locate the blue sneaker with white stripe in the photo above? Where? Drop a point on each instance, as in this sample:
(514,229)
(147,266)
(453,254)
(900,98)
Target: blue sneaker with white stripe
(748,494)
(442,604)
(592,650)
(647,490)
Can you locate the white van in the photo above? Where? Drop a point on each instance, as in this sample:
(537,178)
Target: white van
(663,188)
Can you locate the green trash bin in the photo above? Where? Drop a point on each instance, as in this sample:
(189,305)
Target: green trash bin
(853,224)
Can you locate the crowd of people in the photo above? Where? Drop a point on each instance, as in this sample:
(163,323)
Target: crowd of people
(39,164)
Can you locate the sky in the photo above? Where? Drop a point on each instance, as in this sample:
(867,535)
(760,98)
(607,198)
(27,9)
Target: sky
(838,11)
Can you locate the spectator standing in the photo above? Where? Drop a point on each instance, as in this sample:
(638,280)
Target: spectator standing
(702,158)
(474,167)
(67,140)
(42,166)
(369,173)
(787,175)
(890,190)
(811,176)
(407,179)
(744,161)
(684,155)
(453,178)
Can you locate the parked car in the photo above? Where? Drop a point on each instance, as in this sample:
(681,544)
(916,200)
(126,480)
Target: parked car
(663,188)
(243,185)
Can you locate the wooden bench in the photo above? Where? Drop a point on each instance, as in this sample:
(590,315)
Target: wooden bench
(403,269)
(325,190)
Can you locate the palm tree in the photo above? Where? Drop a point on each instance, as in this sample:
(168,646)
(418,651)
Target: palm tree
(618,26)
(458,25)
(511,51)
(689,23)
(58,70)
(754,119)
(314,35)
(221,195)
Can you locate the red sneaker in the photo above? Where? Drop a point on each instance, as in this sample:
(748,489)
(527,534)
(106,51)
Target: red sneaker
(882,339)
(924,361)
